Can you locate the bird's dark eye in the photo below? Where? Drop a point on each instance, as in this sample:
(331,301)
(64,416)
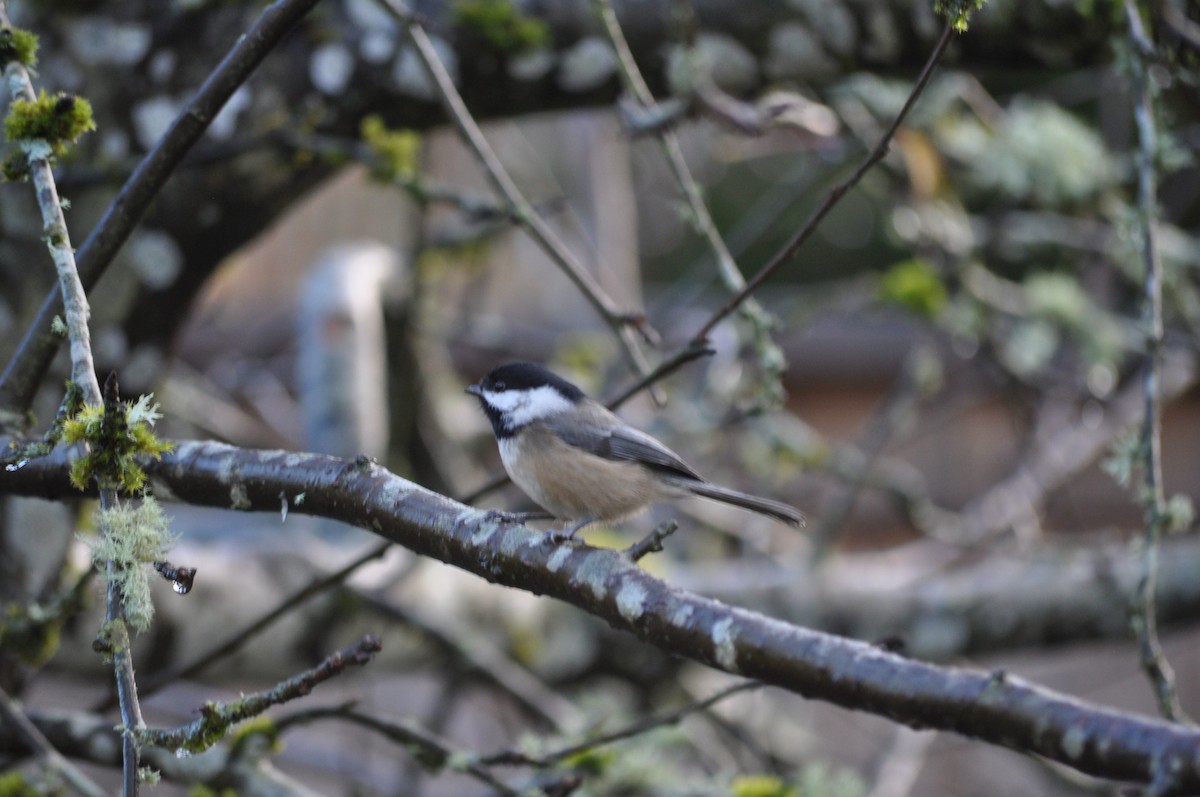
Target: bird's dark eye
(499,387)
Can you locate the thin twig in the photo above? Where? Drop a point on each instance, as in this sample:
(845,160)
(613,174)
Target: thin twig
(835,195)
(429,749)
(26,369)
(234,643)
(895,412)
(518,757)
(692,351)
(15,719)
(58,241)
(217,718)
(1145,621)
(727,267)
(623,324)
(114,623)
(491,663)
(652,542)
(83,374)
(28,365)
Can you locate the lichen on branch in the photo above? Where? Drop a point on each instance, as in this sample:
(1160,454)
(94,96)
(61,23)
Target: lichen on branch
(18,45)
(117,434)
(132,540)
(43,127)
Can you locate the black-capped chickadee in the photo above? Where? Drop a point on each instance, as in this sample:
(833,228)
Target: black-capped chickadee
(581,462)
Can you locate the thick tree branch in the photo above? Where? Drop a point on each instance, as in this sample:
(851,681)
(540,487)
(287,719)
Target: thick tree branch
(992,707)
(944,607)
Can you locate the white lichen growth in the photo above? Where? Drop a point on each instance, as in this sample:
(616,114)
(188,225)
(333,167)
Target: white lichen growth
(1180,513)
(532,65)
(239,497)
(130,541)
(1074,742)
(558,558)
(631,601)
(143,411)
(1038,153)
(724,645)
(37,149)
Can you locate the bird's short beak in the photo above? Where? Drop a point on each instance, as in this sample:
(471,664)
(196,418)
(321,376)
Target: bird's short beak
(475,390)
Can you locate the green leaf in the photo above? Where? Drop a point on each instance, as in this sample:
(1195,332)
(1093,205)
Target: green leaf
(914,285)
(760,786)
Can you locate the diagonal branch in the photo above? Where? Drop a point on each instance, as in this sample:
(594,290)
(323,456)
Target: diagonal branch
(674,717)
(235,642)
(760,321)
(69,292)
(428,748)
(1056,457)
(993,707)
(83,374)
(216,719)
(1145,623)
(622,323)
(835,195)
(12,716)
(27,367)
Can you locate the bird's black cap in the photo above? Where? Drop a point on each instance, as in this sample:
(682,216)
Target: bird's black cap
(525,376)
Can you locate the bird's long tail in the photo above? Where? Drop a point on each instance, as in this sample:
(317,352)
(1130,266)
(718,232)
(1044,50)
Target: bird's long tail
(765,506)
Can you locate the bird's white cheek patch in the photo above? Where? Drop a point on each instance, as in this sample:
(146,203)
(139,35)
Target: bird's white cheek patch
(505,402)
(525,406)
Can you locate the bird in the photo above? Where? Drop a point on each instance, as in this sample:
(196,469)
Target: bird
(581,462)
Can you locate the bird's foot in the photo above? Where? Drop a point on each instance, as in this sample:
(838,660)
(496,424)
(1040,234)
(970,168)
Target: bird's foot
(568,533)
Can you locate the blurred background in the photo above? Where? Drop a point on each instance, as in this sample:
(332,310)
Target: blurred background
(947,378)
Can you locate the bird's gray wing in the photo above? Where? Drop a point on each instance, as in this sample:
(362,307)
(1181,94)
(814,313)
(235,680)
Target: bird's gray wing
(596,433)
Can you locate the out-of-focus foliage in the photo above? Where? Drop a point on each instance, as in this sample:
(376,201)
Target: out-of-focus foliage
(915,286)
(399,151)
(500,24)
(1036,154)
